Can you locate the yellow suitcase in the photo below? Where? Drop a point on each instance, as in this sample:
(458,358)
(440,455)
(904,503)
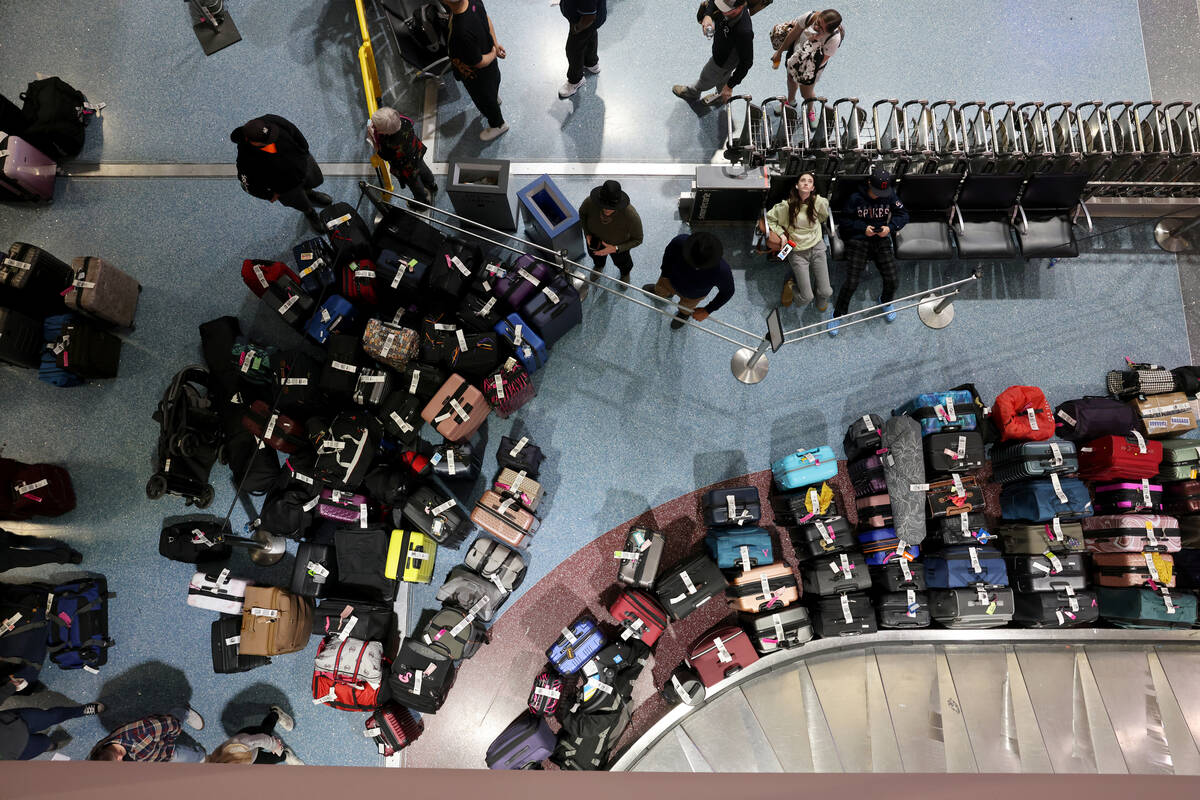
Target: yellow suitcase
(410,557)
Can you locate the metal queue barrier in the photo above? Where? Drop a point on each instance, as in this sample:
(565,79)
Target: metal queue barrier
(749,363)
(371,88)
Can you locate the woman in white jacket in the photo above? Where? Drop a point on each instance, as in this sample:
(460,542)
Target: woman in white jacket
(808,47)
(258,744)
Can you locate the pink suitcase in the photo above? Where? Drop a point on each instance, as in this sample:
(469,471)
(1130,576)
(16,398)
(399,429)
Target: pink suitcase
(1131,533)
(457,410)
(25,172)
(103,292)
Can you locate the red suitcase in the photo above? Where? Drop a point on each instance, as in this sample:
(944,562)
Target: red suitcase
(393,728)
(1133,456)
(721,652)
(640,616)
(34,490)
(1182,498)
(259,275)
(276,430)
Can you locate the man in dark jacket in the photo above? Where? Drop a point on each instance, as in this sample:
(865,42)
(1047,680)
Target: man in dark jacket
(866,227)
(727,22)
(274,163)
(585,16)
(692,266)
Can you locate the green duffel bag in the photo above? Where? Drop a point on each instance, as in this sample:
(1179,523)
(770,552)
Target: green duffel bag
(1144,608)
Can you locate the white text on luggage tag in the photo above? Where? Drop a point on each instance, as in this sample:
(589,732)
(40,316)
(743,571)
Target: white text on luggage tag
(911,609)
(745,551)
(443,508)
(1141,442)
(519,447)
(1152,567)
(1058,490)
(906,571)
(362,515)
(867,421)
(723,655)
(1146,493)
(499,381)
(964,522)
(846,615)
(1055,455)
(1033,423)
(1058,614)
(823,530)
(1055,565)
(26,488)
(444,326)
(379,378)
(270,426)
(678,688)
(268,613)
(401,423)
(232,640)
(950,412)
(687,582)
(959,489)
(975,566)
(317,570)
(901,547)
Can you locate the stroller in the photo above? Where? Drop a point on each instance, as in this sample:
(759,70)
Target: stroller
(188,440)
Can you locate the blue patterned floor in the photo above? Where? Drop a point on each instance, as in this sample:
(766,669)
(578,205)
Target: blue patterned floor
(630,413)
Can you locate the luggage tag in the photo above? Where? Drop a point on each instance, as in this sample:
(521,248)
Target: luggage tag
(1152,567)
(723,655)
(1151,539)
(199,537)
(902,548)
(333,223)
(546,691)
(25,265)
(517,335)
(827,536)
(518,481)
(506,504)
(906,571)
(499,381)
(1033,423)
(1067,418)
(1055,564)
(325,315)
(780,637)
(813,501)
(846,615)
(959,489)
(1072,600)
(1146,494)
(462,339)
(266,613)
(1167,601)
(26,488)
(453,261)
(401,423)
(311,504)
(528,277)
(10,624)
(783,251)
(362,515)
(451,465)
(867,421)
(262,279)
(1040,567)
(1058,490)
(624,555)
(521,444)
(387,345)
(230,641)
(342,366)
(487,307)
(687,582)
(222,579)
(347,627)
(570,636)
(950,411)
(327,698)
(462,413)
(975,565)
(1141,442)
(912,608)
(550,295)
(443,508)
(317,571)
(287,304)
(295,382)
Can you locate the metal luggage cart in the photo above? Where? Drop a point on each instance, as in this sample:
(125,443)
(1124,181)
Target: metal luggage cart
(1091,132)
(974,122)
(1125,139)
(1183,131)
(919,136)
(1156,146)
(855,135)
(889,136)
(425,61)
(948,137)
(1008,139)
(747,140)
(786,132)
(1044,131)
(812,148)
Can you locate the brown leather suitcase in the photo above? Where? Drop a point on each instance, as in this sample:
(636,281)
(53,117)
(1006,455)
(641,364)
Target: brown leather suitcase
(1134,569)
(457,410)
(274,621)
(104,292)
(505,518)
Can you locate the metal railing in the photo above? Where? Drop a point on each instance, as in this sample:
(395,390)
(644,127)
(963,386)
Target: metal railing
(372,91)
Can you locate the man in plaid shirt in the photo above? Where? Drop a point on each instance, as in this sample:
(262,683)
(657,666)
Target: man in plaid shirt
(152,738)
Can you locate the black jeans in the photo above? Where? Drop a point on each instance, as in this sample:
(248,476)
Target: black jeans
(857,252)
(581,52)
(17,550)
(267,726)
(39,719)
(484,90)
(297,197)
(623,259)
(421,184)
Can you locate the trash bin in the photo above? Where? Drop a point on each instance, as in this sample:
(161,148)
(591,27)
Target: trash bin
(479,191)
(550,219)
(728,194)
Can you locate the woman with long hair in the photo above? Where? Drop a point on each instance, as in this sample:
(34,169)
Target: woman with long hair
(794,231)
(258,744)
(806,50)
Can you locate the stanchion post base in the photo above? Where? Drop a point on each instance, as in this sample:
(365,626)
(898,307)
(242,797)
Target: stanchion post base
(212,41)
(271,551)
(933,318)
(742,369)
(1168,235)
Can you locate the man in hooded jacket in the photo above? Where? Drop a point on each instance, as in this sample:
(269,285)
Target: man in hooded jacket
(274,163)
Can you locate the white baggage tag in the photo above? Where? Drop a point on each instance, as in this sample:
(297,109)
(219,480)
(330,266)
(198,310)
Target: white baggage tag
(270,426)
(247,362)
(911,596)
(1042,567)
(833,565)
(950,412)
(460,266)
(961,453)
(867,421)
(964,522)
(89,285)
(1146,493)
(678,687)
(906,571)
(400,274)
(550,295)
(417,555)
(570,636)
(506,504)
(362,515)
(1058,490)
(723,655)
(901,547)
(462,339)
(687,582)
(499,381)
(25,265)
(1073,601)
(1033,423)
(959,489)
(777,623)
(336,496)
(287,304)
(1055,455)
(981,593)
(416,379)
(460,411)
(526,276)
(1152,567)
(311,504)
(232,640)
(545,691)
(443,508)
(1141,442)
(401,423)
(443,326)
(1059,616)
(765,584)
(26,488)
(519,447)
(1170,604)
(451,466)
(783,251)
(940,412)
(745,557)
(846,615)
(387,345)
(1067,418)
(1055,563)
(9,624)
(296,382)
(380,378)
(730,508)
(518,481)
(333,223)
(918,487)
(93,670)
(975,565)
(317,570)
(1151,539)
(814,501)
(342,366)
(625,555)
(826,536)
(418,678)
(603,687)
(268,613)
(477,609)
(846,565)
(258,273)
(517,335)
(326,316)
(222,578)
(487,307)
(198,537)
(462,625)
(1056,527)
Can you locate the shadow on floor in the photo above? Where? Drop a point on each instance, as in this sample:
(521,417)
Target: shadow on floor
(250,705)
(152,687)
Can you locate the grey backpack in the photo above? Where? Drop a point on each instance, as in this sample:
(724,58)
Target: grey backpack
(904,468)
(496,562)
(463,588)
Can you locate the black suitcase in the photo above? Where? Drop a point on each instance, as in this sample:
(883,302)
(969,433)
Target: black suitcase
(298,384)
(400,414)
(772,630)
(33,281)
(1055,609)
(972,607)
(898,575)
(862,437)
(1187,569)
(373,387)
(226,655)
(288,300)
(448,526)
(348,234)
(400,275)
(829,575)
(422,380)
(194,539)
(480,312)
(20,339)
(688,585)
(1046,573)
(844,615)
(454,268)
(906,609)
(1019,461)
(955,451)
(86,350)
(746,507)
(684,686)
(12,119)
(373,621)
(961,529)
(314,570)
(408,234)
(483,354)
(343,360)
(420,679)
(822,537)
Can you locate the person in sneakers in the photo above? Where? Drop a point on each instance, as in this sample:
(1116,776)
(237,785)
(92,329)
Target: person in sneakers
(585,17)
(872,214)
(692,266)
(274,163)
(258,744)
(473,52)
(612,227)
(806,50)
(795,224)
(152,738)
(19,550)
(727,22)
(21,729)
(395,141)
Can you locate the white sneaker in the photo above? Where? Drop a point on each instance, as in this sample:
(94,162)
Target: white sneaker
(487,134)
(290,757)
(569,89)
(193,719)
(285,719)
(595,70)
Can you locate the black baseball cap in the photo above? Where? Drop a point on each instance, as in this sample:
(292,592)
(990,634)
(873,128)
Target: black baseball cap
(881,182)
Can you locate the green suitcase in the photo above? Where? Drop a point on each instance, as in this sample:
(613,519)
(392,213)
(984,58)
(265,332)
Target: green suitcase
(1144,608)
(1180,461)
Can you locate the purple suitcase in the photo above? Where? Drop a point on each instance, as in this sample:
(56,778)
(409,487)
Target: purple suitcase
(523,279)
(528,740)
(553,309)
(25,172)
(867,476)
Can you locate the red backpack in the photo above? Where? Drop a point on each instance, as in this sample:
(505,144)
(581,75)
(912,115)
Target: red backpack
(347,673)
(1021,413)
(259,275)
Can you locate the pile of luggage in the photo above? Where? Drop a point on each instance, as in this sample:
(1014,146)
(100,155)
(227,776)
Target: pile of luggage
(66,621)
(46,130)
(57,318)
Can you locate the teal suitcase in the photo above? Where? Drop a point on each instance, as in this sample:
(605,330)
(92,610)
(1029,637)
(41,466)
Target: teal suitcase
(1144,608)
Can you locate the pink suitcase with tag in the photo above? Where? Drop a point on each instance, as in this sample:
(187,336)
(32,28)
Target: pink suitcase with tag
(103,292)
(26,173)
(457,410)
(1131,533)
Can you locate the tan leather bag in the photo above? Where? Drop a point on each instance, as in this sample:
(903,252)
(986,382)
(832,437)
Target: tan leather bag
(274,621)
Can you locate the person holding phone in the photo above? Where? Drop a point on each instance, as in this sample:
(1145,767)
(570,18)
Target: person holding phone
(612,227)
(794,233)
(727,23)
(806,50)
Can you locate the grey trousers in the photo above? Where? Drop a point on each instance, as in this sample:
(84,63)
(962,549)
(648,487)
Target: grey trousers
(714,76)
(810,267)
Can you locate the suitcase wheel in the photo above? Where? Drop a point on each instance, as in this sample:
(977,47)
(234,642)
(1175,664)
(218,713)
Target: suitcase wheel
(156,487)
(205,498)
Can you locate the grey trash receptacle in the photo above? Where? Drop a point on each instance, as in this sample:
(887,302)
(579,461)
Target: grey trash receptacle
(479,190)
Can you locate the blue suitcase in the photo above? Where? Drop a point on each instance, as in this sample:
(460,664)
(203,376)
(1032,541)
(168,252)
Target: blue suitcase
(805,468)
(880,546)
(335,311)
(941,411)
(400,272)
(49,371)
(954,568)
(314,264)
(1037,501)
(568,654)
(553,309)
(531,352)
(726,545)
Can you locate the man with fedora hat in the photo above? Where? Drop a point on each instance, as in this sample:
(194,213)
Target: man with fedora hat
(727,23)
(692,266)
(612,227)
(273,163)
(872,214)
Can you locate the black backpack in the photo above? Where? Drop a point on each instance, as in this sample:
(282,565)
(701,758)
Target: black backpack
(57,114)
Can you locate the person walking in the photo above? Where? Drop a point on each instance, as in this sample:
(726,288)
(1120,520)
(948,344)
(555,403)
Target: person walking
(806,50)
(473,52)
(21,729)
(692,266)
(794,231)
(152,738)
(258,744)
(612,227)
(18,550)
(395,141)
(872,215)
(585,18)
(274,163)
(727,23)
